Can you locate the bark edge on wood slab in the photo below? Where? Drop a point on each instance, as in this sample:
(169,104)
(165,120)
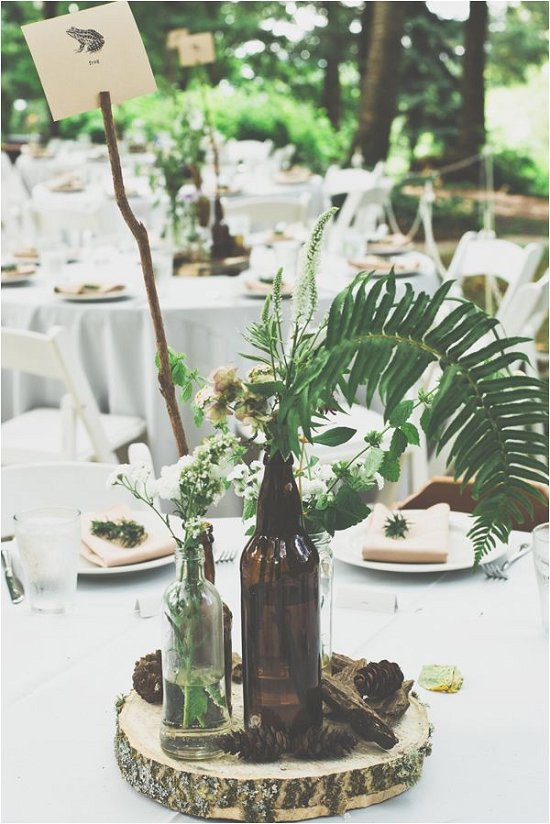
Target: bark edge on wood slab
(291,790)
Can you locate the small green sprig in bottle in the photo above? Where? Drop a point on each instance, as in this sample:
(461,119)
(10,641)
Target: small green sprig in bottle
(124,532)
(396,526)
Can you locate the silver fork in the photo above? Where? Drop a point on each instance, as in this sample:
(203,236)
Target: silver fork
(498,569)
(227,554)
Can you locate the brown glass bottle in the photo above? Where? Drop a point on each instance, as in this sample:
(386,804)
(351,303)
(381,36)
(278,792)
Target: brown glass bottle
(280,609)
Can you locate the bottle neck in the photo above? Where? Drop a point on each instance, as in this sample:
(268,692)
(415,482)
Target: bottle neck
(190,564)
(279,507)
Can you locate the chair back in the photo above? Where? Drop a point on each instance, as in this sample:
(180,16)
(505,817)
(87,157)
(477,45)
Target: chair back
(524,316)
(73,484)
(265,213)
(364,210)
(50,355)
(343,181)
(247,151)
(478,254)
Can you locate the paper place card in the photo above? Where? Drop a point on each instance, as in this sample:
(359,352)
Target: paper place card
(174,36)
(79,55)
(197,49)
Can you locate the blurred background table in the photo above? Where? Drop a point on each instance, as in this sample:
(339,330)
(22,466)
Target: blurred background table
(204,318)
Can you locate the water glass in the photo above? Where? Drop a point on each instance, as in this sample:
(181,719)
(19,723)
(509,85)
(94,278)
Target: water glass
(48,539)
(286,256)
(52,263)
(540,558)
(163,266)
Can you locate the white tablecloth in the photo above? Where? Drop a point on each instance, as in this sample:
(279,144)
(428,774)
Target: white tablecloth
(204,318)
(62,674)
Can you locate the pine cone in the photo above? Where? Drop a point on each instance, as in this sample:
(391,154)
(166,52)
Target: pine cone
(377,680)
(323,742)
(237,668)
(147,677)
(257,744)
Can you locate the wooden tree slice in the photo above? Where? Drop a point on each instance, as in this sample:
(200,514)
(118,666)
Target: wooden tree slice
(288,790)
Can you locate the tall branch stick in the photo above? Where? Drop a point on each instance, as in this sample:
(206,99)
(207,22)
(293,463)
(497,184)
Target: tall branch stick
(139,231)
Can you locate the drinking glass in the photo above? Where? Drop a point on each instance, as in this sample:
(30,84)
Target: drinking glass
(52,264)
(48,539)
(163,265)
(540,558)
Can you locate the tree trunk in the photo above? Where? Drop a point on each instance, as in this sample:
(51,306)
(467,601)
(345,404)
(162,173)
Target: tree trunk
(364,37)
(471,135)
(332,95)
(379,86)
(332,91)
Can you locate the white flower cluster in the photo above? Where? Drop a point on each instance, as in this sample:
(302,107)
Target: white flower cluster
(193,484)
(247,480)
(316,482)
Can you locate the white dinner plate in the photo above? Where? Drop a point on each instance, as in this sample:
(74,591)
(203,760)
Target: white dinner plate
(24,272)
(15,280)
(85,567)
(90,297)
(347,546)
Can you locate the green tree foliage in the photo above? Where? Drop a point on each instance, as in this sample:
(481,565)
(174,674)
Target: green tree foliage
(289,55)
(518,38)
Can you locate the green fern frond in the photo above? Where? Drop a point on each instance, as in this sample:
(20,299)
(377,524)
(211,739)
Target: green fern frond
(384,345)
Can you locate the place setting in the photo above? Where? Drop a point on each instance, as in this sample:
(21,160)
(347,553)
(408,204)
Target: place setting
(274,415)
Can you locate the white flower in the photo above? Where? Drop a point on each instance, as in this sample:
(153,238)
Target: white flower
(324,472)
(238,473)
(378,480)
(168,485)
(133,474)
(312,488)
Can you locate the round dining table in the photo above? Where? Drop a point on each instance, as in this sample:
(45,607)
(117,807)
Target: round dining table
(61,676)
(205,318)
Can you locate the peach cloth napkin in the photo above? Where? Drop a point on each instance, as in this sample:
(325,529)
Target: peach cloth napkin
(427,539)
(103,553)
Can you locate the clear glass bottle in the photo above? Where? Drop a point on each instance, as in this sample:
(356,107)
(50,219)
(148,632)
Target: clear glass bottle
(280,609)
(194,709)
(322,541)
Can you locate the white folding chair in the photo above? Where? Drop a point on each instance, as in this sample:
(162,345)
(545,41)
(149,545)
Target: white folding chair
(480,254)
(75,431)
(265,213)
(14,193)
(247,151)
(344,181)
(414,461)
(524,317)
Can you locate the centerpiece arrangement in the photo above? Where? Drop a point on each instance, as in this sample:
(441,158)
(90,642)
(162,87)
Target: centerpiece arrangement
(180,150)
(300,375)
(367,339)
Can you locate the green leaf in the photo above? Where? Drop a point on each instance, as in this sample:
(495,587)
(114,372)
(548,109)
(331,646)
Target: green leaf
(399,443)
(410,431)
(266,388)
(390,468)
(249,509)
(401,413)
(335,437)
(197,708)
